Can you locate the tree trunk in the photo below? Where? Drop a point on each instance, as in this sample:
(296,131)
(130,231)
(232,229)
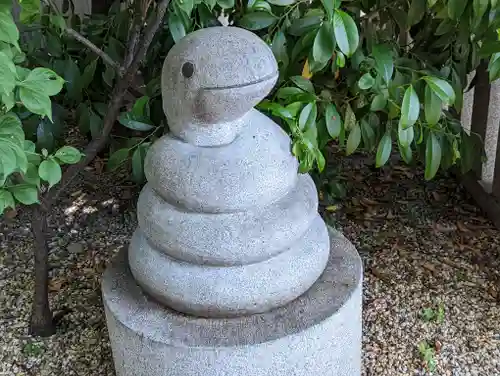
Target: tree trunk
(41,317)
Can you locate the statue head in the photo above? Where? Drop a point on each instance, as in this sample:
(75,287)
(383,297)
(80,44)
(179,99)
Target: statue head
(214,76)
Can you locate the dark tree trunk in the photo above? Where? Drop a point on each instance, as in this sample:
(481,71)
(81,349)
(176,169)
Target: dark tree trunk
(41,317)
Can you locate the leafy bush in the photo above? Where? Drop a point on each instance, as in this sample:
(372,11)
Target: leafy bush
(25,93)
(367,74)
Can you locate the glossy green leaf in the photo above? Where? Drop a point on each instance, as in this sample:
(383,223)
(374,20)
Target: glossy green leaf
(333,121)
(8,100)
(176,27)
(226,4)
(367,135)
(30,10)
(6,200)
(416,12)
(138,163)
(8,158)
(410,108)
(11,129)
(141,106)
(135,122)
(117,159)
(257,20)
(432,106)
(25,194)
(36,101)
(305,25)
(68,154)
(432,156)
(494,67)
(378,103)
(320,159)
(349,118)
(329,7)
(384,63)
(8,74)
(308,115)
(50,171)
(31,175)
(456,8)
(287,92)
(303,83)
(282,3)
(479,8)
(346,32)
(405,135)
(324,43)
(383,150)
(366,81)
(353,140)
(8,29)
(73,79)
(340,59)
(406,153)
(441,88)
(44,80)
(278,46)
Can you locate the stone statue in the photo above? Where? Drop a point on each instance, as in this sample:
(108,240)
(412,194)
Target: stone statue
(231,271)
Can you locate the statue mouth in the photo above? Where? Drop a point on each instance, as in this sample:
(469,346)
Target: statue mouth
(265,79)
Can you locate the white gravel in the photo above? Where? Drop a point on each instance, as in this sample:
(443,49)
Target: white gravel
(420,250)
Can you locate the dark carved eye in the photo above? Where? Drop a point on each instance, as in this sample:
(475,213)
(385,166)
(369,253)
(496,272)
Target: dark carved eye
(187,69)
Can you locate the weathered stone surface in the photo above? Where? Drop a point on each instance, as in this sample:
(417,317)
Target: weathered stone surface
(221,291)
(231,72)
(254,170)
(235,238)
(317,334)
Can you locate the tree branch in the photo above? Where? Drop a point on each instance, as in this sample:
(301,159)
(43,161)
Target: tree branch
(80,38)
(119,92)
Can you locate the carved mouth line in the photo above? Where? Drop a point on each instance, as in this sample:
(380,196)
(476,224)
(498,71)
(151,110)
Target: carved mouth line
(269,77)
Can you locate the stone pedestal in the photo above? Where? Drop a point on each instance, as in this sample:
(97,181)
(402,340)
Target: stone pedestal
(231,270)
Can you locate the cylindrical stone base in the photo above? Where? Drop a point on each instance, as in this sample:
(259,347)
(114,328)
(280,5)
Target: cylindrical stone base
(318,333)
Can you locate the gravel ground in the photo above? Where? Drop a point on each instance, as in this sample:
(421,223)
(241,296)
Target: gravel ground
(425,247)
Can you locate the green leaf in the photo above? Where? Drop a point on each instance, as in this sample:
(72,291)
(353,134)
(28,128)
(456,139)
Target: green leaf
(349,118)
(366,81)
(346,32)
(378,103)
(8,74)
(187,5)
(340,59)
(353,140)
(441,88)
(6,200)
(479,8)
(432,106)
(320,159)
(83,117)
(257,20)
(176,27)
(405,152)
(31,176)
(30,10)
(324,43)
(416,12)
(45,80)
(141,106)
(11,129)
(25,194)
(432,156)
(384,64)
(50,171)
(303,83)
(278,46)
(281,3)
(308,115)
(329,7)
(8,29)
(494,67)
(410,109)
(383,150)
(405,135)
(304,25)
(8,100)
(287,92)
(444,27)
(456,8)
(88,74)
(117,159)
(368,135)
(58,21)
(333,121)
(68,154)
(135,122)
(8,158)
(36,101)
(138,162)
(226,4)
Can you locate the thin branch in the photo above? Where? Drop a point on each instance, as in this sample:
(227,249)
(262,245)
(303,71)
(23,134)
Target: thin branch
(114,106)
(80,38)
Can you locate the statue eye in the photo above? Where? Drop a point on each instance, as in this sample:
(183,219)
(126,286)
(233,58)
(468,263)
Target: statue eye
(187,69)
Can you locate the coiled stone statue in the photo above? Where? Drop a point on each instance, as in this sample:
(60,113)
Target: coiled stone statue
(231,270)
